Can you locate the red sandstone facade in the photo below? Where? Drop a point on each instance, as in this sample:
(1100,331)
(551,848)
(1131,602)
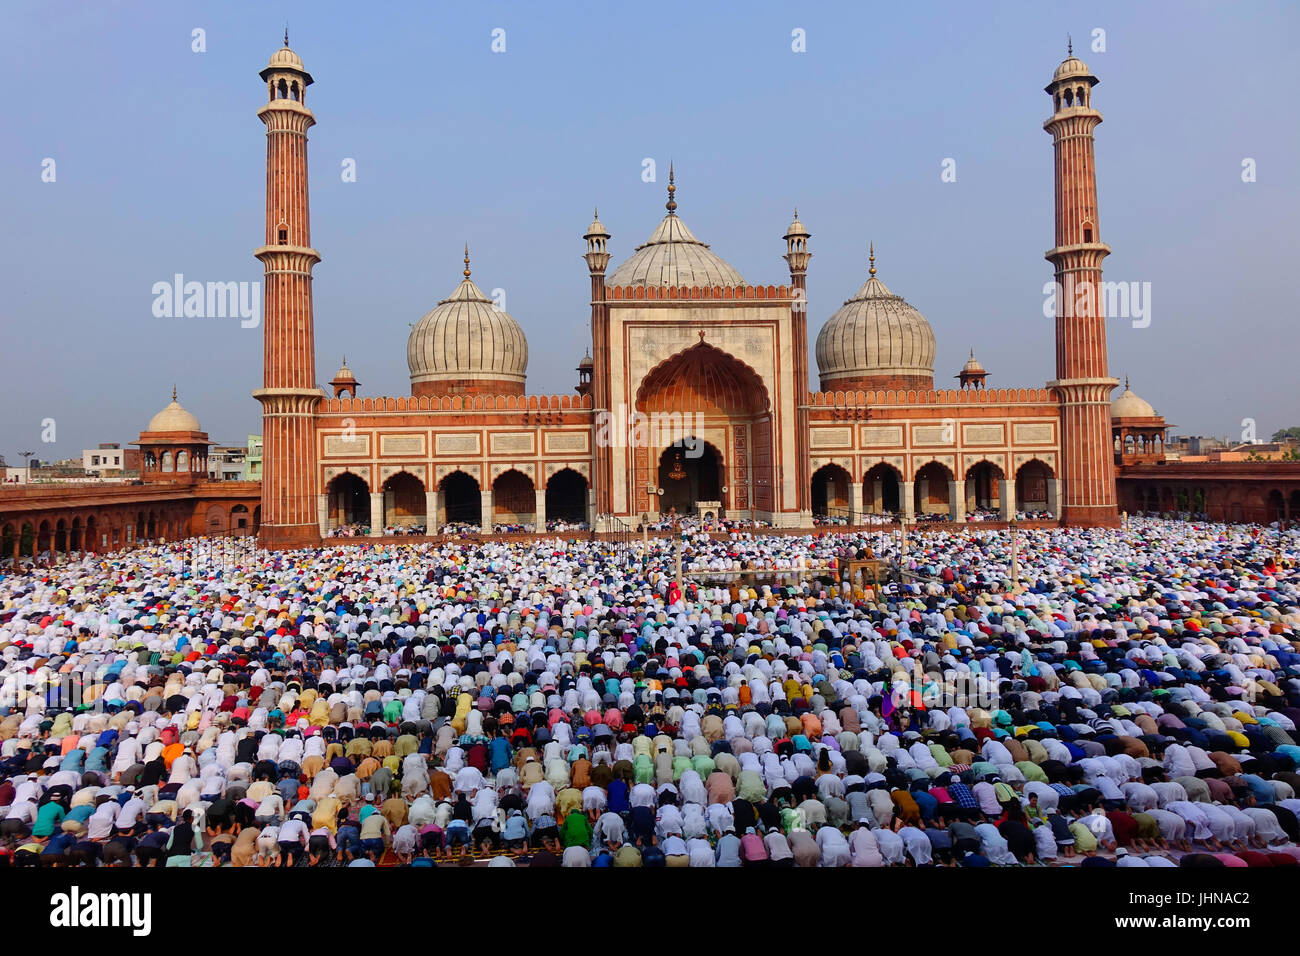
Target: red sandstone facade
(729,356)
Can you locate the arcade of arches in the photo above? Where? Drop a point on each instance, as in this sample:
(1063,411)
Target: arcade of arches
(710,416)
(403,504)
(49,525)
(933,491)
(1237,501)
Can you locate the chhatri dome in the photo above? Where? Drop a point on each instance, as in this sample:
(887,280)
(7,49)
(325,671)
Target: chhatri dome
(1072,68)
(285,59)
(1129,405)
(467,345)
(874,341)
(672,256)
(174,418)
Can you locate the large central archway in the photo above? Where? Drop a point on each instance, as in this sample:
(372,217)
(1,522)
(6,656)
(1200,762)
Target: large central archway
(701,391)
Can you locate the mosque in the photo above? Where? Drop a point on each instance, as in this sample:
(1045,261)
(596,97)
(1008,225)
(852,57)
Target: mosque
(677,331)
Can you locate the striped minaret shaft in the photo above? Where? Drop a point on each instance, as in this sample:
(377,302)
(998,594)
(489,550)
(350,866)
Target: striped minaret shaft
(289,394)
(1083,380)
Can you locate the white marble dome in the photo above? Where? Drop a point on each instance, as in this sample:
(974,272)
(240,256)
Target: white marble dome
(174,418)
(467,337)
(1129,405)
(672,256)
(875,335)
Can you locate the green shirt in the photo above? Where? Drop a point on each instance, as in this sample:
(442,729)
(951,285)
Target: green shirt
(48,818)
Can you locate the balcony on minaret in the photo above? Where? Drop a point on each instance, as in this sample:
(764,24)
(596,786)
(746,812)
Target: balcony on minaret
(796,247)
(285,76)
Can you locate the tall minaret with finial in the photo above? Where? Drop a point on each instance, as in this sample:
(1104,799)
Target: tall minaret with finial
(796,257)
(598,388)
(289,393)
(1083,380)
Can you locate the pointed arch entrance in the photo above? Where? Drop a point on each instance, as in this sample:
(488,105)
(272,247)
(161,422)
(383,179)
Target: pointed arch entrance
(462,501)
(710,396)
(691,474)
(349,501)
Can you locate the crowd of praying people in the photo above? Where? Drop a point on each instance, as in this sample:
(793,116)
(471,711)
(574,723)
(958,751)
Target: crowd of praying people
(1129,697)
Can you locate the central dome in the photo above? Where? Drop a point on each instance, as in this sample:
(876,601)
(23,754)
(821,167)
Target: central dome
(672,256)
(876,340)
(467,346)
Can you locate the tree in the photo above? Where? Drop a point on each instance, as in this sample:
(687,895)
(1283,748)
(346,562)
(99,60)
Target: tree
(1282,434)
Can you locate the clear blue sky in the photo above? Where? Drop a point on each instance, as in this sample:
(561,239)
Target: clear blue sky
(160,169)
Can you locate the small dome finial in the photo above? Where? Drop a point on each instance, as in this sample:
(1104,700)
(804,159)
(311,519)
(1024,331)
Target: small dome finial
(173,393)
(871,258)
(467,260)
(286,36)
(1069,45)
(1126,388)
(595,212)
(671,205)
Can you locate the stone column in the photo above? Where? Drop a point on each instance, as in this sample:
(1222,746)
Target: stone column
(972,498)
(485,497)
(922,490)
(1053,496)
(955,505)
(323,513)
(1006,494)
(906,499)
(431,512)
(377,514)
(877,496)
(539,511)
(855,500)
(343,511)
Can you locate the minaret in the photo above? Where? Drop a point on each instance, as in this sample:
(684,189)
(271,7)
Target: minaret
(1082,379)
(289,392)
(597,257)
(796,257)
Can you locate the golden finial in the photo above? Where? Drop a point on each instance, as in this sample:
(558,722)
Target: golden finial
(173,393)
(871,257)
(467,260)
(671,205)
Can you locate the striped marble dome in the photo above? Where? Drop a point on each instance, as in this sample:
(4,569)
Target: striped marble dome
(466,338)
(876,340)
(672,256)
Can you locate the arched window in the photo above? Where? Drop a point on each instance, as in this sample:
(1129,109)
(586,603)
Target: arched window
(282,90)
(1069,98)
